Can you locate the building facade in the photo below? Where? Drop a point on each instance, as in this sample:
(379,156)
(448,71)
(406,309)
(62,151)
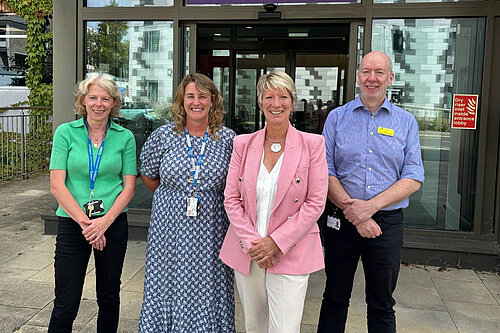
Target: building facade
(439,49)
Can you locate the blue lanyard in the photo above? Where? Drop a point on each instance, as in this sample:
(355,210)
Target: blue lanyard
(93,168)
(196,166)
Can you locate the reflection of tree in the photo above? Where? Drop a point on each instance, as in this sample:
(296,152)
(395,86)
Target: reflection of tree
(106,50)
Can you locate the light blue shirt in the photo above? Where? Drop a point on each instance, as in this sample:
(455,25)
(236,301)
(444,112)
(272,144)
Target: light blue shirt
(363,155)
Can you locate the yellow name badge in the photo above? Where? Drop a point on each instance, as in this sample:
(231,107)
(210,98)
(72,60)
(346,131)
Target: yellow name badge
(385,131)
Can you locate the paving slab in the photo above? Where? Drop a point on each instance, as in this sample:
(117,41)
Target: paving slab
(45,275)
(10,249)
(31,329)
(492,282)
(12,277)
(412,296)
(423,321)
(31,260)
(49,245)
(356,323)
(131,268)
(130,304)
(86,312)
(415,275)
(310,314)
(136,250)
(29,294)
(239,319)
(135,284)
(124,326)
(453,274)
(464,291)
(316,285)
(12,318)
(474,318)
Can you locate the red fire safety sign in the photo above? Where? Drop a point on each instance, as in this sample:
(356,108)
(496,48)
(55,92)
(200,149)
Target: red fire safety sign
(464,112)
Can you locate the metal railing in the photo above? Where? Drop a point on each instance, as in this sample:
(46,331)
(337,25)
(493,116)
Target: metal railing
(25,141)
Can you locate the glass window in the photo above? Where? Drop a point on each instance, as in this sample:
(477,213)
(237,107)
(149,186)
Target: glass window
(152,41)
(129,3)
(187,34)
(434,59)
(12,51)
(419,1)
(262,2)
(136,53)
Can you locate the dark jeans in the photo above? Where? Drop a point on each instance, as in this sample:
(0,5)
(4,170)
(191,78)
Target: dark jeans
(71,259)
(381,258)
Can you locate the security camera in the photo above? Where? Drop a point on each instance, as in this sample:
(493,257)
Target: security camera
(270,7)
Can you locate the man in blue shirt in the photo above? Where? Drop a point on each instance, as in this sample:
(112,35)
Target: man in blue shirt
(374,165)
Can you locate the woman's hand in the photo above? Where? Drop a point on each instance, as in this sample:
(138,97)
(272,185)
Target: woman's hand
(99,243)
(263,252)
(96,229)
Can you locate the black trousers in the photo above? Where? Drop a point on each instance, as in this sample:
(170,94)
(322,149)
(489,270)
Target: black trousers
(71,260)
(381,258)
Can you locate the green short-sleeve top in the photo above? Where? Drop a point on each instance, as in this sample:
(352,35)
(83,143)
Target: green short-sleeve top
(69,152)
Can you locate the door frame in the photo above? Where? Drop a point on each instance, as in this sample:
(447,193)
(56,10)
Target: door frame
(355,52)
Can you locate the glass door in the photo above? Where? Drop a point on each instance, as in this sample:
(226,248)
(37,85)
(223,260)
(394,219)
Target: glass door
(249,68)
(319,79)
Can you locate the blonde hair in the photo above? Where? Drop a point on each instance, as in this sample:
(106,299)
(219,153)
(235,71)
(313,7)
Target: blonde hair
(206,86)
(104,81)
(276,80)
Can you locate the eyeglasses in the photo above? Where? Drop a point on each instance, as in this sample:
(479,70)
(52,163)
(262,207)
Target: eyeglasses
(94,75)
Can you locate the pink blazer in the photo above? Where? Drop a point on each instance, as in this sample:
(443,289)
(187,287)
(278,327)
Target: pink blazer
(300,198)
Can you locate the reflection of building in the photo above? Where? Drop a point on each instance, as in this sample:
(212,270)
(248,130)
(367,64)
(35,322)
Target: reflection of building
(12,49)
(421,52)
(151,61)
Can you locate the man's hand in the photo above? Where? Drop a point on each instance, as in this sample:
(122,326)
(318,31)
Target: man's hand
(358,210)
(369,229)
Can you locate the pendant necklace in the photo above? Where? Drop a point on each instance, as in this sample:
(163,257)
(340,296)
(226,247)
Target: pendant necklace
(96,138)
(276,145)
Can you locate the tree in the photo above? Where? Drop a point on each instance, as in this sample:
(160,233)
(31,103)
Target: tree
(105,47)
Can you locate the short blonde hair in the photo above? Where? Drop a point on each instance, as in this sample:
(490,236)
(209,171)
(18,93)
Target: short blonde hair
(206,86)
(276,80)
(104,81)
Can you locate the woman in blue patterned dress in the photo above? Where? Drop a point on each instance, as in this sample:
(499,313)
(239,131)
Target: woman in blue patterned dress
(187,288)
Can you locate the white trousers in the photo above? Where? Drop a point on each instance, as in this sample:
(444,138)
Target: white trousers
(272,303)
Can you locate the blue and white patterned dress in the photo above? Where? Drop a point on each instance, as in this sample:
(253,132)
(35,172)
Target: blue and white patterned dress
(187,288)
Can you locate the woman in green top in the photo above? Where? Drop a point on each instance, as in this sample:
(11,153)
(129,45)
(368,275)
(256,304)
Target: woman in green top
(92,177)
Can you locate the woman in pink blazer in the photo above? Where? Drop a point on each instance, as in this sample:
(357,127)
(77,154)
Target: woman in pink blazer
(275,191)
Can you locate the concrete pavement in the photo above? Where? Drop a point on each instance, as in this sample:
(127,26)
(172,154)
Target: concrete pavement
(429,299)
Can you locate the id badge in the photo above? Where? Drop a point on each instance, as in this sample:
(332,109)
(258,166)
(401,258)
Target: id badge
(192,206)
(93,207)
(333,222)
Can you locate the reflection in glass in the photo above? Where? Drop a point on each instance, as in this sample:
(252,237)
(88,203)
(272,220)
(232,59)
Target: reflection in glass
(434,59)
(129,3)
(318,82)
(360,47)
(420,1)
(249,67)
(187,34)
(13,54)
(139,55)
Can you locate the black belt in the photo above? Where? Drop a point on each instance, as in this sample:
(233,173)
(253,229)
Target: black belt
(388,212)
